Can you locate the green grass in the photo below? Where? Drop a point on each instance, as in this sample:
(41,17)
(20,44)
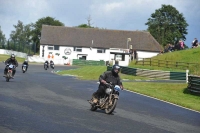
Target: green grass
(93,72)
(5,57)
(171,92)
(188,56)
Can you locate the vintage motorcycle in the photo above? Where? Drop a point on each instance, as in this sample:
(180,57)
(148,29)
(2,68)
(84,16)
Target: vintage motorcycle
(52,65)
(45,66)
(10,71)
(109,101)
(24,66)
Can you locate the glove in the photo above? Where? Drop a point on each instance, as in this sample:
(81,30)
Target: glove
(103,81)
(121,87)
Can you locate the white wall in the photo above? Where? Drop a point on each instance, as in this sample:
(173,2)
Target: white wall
(9,52)
(142,54)
(91,54)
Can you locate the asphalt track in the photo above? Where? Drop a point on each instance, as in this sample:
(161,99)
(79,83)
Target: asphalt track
(40,101)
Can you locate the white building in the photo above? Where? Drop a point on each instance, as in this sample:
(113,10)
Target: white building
(63,44)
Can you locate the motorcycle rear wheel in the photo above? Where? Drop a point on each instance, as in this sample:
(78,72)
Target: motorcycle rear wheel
(110,109)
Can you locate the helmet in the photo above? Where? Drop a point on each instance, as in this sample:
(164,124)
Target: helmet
(25,61)
(116,69)
(12,56)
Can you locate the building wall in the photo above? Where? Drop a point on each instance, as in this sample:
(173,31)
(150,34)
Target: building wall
(142,54)
(90,54)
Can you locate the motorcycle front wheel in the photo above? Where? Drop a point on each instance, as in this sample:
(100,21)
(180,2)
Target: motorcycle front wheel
(93,108)
(111,108)
(7,79)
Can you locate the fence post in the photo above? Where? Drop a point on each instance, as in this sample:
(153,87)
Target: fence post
(143,61)
(150,61)
(187,71)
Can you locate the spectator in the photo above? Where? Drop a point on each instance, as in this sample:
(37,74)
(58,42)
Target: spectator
(181,42)
(170,48)
(177,46)
(195,43)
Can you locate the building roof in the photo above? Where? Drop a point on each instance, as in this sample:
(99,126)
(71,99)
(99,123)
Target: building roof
(98,38)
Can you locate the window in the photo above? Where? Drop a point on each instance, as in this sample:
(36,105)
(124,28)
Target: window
(50,47)
(78,49)
(101,50)
(56,47)
(119,57)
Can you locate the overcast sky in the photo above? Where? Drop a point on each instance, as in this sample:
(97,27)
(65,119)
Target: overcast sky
(109,14)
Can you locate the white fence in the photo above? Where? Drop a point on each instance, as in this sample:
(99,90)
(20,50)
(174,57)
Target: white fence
(9,52)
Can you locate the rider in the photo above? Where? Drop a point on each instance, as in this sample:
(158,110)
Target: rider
(108,76)
(25,63)
(13,61)
(47,64)
(51,62)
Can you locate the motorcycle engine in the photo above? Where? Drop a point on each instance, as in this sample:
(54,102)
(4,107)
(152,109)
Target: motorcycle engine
(102,100)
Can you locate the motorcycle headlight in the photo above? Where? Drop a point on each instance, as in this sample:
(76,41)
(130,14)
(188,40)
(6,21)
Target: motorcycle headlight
(108,91)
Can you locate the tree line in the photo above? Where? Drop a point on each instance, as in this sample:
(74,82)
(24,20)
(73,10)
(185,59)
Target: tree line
(166,25)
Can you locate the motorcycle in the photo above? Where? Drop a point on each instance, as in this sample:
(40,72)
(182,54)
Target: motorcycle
(107,102)
(52,65)
(10,71)
(24,68)
(45,66)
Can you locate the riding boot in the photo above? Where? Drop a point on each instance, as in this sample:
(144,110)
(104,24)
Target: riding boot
(94,98)
(13,74)
(5,73)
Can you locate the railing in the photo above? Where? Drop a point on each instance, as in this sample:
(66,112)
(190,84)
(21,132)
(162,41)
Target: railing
(165,63)
(154,73)
(88,62)
(194,83)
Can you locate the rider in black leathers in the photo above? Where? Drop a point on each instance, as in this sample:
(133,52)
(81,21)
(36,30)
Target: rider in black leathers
(25,63)
(51,62)
(106,77)
(47,64)
(13,61)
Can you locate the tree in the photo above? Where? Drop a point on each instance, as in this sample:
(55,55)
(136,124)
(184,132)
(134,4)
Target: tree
(21,36)
(2,39)
(84,26)
(37,27)
(167,25)
(88,25)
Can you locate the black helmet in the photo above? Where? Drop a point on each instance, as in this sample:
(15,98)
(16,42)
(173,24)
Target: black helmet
(12,56)
(116,67)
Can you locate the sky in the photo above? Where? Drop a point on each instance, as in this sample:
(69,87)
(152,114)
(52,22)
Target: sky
(128,15)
